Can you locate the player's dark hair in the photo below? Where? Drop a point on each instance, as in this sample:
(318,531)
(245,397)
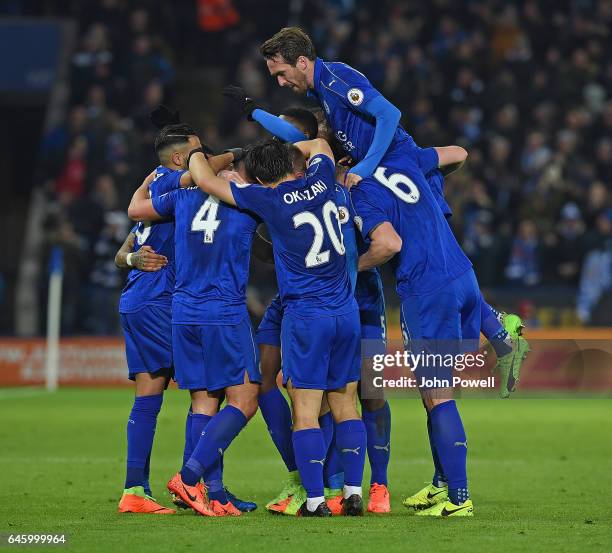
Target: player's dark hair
(305,119)
(290,43)
(298,161)
(269,161)
(172,135)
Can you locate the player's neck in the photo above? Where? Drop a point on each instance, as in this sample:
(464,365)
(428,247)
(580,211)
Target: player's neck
(310,75)
(287,177)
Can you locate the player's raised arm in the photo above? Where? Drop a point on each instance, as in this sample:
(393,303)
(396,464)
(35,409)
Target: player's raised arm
(311,148)
(141,207)
(387,118)
(204,177)
(274,124)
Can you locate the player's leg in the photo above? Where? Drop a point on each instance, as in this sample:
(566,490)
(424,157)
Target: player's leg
(310,448)
(230,362)
(446,425)
(351,439)
(333,474)
(306,350)
(190,374)
(148,351)
(423,317)
(504,332)
(375,409)
(272,403)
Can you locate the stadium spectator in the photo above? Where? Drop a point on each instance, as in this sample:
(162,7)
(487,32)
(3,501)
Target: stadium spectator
(533,110)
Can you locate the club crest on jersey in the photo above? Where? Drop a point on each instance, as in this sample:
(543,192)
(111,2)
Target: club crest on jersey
(343,214)
(355,96)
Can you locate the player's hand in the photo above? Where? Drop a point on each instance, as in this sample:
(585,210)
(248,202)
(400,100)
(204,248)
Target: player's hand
(233,176)
(346,161)
(194,142)
(351,179)
(145,259)
(238,94)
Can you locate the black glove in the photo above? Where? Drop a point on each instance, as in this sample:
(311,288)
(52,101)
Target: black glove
(194,151)
(238,153)
(163,115)
(238,94)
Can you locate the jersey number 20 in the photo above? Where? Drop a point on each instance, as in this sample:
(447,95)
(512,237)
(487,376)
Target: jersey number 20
(315,256)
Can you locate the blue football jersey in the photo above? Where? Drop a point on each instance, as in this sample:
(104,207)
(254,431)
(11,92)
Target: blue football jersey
(435,179)
(212,242)
(148,288)
(303,222)
(430,255)
(344,93)
(349,238)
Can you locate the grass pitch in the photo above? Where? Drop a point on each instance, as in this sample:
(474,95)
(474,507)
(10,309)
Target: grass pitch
(539,477)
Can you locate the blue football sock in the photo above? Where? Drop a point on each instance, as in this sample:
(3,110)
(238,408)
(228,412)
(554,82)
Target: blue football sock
(309,447)
(451,445)
(326,422)
(351,441)
(188,449)
(147,472)
(199,421)
(378,430)
(216,490)
(438,480)
(333,473)
(220,432)
(493,329)
(277,415)
(140,433)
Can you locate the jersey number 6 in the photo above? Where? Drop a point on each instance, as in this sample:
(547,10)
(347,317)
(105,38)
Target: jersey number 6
(410,196)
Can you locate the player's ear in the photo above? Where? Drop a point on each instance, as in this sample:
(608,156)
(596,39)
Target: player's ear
(302,63)
(178,159)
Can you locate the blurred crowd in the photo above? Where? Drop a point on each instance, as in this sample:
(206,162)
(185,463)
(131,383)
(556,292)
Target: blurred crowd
(524,86)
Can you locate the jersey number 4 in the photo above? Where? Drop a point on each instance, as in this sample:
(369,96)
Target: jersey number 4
(411,195)
(205,219)
(315,256)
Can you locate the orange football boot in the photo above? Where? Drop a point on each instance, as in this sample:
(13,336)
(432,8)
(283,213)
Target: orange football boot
(380,501)
(134,500)
(224,510)
(194,496)
(335,504)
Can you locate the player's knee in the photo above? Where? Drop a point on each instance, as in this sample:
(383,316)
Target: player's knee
(431,400)
(247,405)
(303,421)
(372,405)
(268,382)
(344,410)
(269,366)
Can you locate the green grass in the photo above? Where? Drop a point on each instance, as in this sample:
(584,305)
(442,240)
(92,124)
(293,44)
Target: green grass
(539,476)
